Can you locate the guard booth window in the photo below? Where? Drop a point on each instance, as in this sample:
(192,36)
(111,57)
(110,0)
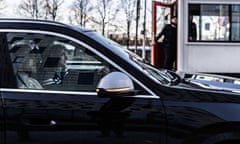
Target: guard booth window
(216,22)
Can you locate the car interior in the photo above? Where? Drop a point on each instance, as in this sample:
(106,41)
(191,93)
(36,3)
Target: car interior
(38,56)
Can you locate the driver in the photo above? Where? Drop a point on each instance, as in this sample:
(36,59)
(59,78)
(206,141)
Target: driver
(61,66)
(58,51)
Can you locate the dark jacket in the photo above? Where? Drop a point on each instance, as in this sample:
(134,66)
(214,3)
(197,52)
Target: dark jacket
(192,31)
(170,36)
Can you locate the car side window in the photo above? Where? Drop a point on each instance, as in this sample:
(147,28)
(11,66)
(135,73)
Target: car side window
(54,63)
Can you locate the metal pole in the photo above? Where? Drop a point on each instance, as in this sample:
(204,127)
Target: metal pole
(144,32)
(137,19)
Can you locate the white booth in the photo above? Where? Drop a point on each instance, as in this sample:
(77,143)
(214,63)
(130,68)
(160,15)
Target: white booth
(217,45)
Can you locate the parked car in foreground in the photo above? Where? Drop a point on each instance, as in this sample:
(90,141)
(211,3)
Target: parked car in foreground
(63,84)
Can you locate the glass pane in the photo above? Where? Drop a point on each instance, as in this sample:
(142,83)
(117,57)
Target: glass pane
(163,18)
(236,22)
(215,22)
(212,21)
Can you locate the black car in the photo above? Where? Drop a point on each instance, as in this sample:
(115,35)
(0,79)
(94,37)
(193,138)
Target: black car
(61,84)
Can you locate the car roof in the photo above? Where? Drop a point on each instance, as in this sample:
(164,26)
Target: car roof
(12,20)
(42,22)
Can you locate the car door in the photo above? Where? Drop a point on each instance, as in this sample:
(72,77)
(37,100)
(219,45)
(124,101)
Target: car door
(2,124)
(53,99)
(1,105)
(4,81)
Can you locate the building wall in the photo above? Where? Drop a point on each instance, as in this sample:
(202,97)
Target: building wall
(212,57)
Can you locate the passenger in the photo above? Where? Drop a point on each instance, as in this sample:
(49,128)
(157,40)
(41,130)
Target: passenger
(24,78)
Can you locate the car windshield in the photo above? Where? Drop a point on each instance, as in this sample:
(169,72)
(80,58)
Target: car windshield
(161,76)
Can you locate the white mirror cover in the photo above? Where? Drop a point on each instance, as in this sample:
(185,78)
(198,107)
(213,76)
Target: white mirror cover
(116,80)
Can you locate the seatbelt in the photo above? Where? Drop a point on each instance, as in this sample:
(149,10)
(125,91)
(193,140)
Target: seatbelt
(21,80)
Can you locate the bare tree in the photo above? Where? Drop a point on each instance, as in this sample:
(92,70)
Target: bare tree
(31,8)
(129,11)
(2,7)
(2,4)
(106,12)
(80,9)
(51,7)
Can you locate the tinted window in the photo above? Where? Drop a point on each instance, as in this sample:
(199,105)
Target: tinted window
(54,63)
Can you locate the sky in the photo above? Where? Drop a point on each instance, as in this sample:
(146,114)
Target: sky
(11,11)
(12,5)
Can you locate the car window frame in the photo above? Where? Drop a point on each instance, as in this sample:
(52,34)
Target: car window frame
(78,41)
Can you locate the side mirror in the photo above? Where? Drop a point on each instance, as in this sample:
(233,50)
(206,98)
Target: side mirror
(115,84)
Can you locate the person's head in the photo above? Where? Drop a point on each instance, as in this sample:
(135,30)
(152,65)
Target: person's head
(63,57)
(30,64)
(59,52)
(174,19)
(190,17)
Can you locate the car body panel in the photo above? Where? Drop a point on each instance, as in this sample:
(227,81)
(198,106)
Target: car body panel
(215,82)
(36,113)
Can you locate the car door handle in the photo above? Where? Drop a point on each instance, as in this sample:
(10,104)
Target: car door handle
(37,121)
